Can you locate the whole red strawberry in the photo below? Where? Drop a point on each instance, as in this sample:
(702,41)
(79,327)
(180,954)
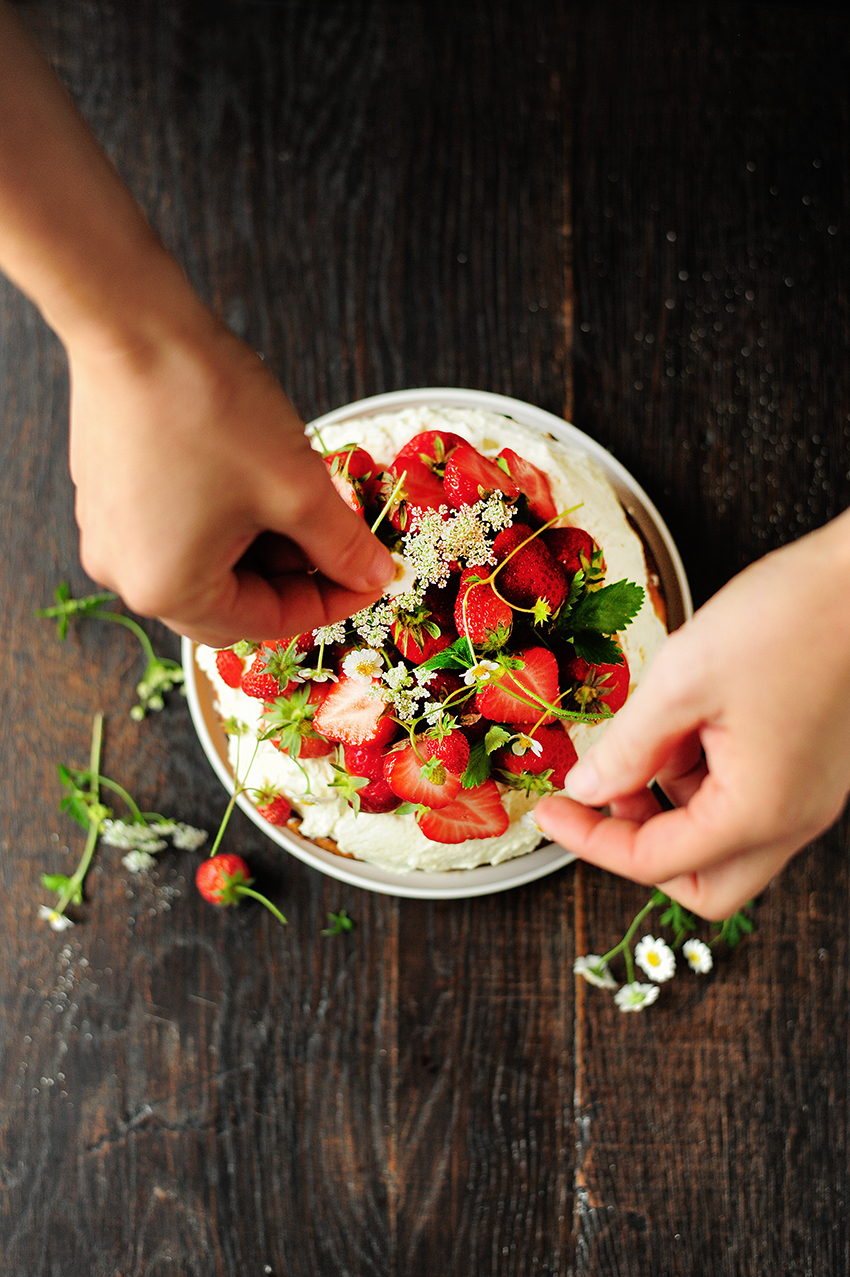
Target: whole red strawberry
(576,551)
(258,682)
(224,879)
(230,667)
(220,878)
(597,686)
(273,806)
(484,618)
(548,750)
(530,573)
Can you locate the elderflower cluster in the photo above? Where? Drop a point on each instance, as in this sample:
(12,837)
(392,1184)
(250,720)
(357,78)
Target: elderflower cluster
(407,689)
(327,635)
(374,624)
(438,540)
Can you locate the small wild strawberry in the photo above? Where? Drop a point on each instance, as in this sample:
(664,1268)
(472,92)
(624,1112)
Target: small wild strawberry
(224,879)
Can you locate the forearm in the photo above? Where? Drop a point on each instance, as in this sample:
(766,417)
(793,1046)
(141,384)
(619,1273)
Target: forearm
(71,236)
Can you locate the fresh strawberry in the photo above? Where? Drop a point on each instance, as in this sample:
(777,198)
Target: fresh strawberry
(220,878)
(469,477)
(473,813)
(230,666)
(348,490)
(258,682)
(480,614)
(575,550)
(597,686)
(420,490)
(433,448)
(557,755)
(224,879)
(531,574)
(427,629)
(366,762)
(273,805)
(418,776)
(355,462)
(520,695)
(443,685)
(289,719)
(533,484)
(354,713)
(452,750)
(353,474)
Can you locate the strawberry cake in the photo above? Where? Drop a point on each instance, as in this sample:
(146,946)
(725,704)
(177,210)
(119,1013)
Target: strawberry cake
(420,733)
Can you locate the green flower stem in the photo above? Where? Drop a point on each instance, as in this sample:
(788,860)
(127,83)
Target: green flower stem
(135,628)
(239,787)
(624,946)
(122,793)
(255,895)
(75,882)
(390,499)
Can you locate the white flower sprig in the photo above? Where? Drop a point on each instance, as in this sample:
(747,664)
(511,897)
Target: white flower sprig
(141,836)
(655,956)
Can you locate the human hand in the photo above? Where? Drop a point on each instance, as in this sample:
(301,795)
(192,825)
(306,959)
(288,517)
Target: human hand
(743,718)
(185,451)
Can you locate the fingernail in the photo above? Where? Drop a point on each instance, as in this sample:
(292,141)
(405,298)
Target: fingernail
(381,570)
(582,783)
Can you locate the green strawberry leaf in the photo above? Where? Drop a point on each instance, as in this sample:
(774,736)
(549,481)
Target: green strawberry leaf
(597,649)
(456,657)
(496,737)
(478,767)
(608,610)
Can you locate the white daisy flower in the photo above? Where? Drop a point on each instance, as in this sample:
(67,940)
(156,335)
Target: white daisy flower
(481,672)
(364,663)
(698,956)
(595,971)
(656,958)
(57,921)
(405,577)
(521,744)
(635,996)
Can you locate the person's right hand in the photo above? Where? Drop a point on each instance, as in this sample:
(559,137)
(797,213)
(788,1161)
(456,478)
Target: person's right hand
(743,718)
(199,498)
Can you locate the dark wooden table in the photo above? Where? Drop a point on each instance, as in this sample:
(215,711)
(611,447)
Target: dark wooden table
(636,215)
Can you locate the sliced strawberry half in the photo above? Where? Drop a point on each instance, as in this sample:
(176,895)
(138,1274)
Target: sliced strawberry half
(354,712)
(533,484)
(520,695)
(418,775)
(469,476)
(473,813)
(596,686)
(420,490)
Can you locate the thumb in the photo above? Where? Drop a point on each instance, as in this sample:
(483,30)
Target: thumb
(666,707)
(335,539)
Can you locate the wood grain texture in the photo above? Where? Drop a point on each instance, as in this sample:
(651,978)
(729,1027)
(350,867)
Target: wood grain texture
(378,195)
